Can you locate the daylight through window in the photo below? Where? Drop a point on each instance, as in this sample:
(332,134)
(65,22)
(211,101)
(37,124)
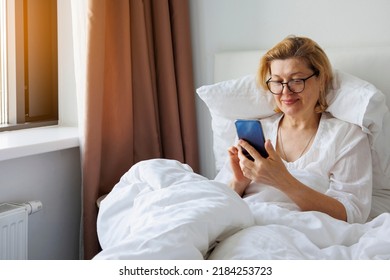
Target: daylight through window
(29,64)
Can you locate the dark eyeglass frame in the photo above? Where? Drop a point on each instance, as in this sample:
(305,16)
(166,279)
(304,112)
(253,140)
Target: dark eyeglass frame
(287,83)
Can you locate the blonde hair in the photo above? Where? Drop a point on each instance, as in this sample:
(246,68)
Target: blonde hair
(307,50)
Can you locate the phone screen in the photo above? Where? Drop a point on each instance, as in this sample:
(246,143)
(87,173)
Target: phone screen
(252,132)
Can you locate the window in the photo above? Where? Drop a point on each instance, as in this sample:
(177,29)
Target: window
(29,63)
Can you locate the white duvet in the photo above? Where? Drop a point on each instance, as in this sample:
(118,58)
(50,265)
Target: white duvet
(160,209)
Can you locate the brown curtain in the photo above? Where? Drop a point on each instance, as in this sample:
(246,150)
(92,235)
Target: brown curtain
(140,100)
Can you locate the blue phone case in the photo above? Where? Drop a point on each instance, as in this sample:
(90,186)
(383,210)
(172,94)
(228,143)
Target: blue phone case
(252,132)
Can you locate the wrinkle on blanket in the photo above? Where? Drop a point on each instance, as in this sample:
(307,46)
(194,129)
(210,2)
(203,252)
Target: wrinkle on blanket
(283,234)
(162,205)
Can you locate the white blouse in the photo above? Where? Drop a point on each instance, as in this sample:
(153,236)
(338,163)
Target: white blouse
(337,164)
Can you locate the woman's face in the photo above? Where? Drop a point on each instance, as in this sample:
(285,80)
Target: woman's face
(290,103)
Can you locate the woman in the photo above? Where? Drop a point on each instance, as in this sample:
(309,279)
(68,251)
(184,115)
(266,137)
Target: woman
(316,162)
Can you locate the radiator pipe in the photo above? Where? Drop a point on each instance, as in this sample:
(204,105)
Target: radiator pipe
(32,206)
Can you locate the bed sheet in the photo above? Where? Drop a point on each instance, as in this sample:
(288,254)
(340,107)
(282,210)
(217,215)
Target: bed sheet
(160,209)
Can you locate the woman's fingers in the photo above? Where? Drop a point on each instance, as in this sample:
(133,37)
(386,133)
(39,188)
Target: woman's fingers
(252,151)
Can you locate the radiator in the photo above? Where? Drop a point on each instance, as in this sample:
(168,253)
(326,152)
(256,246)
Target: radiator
(14,229)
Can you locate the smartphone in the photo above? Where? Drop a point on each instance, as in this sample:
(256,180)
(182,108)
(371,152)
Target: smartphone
(252,132)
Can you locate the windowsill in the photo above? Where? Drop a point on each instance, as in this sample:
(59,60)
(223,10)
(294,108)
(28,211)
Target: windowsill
(32,141)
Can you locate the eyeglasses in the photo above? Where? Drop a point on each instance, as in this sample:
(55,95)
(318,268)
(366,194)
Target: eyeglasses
(295,85)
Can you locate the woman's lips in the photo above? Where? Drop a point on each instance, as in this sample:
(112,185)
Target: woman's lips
(289,101)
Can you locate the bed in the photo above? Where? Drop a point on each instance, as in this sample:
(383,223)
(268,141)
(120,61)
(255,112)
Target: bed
(160,209)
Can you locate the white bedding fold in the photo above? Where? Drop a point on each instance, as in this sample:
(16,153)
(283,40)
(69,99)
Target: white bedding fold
(283,234)
(160,209)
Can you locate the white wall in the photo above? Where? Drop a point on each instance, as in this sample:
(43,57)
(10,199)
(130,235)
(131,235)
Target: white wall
(55,179)
(227,25)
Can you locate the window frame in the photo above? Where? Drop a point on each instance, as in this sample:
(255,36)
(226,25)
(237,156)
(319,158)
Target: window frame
(66,134)
(17,98)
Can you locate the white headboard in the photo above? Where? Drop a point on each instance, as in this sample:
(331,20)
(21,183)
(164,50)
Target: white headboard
(369,63)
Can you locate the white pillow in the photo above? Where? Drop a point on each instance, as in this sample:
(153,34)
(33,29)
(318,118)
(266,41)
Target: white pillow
(351,99)
(231,100)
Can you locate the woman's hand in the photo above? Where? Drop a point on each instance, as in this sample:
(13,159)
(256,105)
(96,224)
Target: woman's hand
(239,181)
(268,171)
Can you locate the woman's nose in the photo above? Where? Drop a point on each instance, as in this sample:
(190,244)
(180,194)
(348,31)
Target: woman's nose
(286,90)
